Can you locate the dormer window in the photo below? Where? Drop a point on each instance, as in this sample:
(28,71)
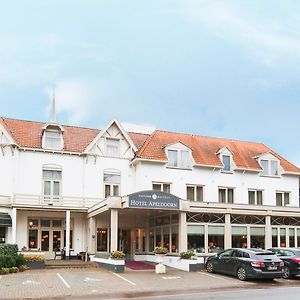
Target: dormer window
(270,167)
(112,147)
(226,159)
(53,138)
(179,159)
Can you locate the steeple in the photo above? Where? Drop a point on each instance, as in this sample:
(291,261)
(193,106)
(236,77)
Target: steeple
(53,111)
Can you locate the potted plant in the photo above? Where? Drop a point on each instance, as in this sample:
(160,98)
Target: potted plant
(117,254)
(186,255)
(160,250)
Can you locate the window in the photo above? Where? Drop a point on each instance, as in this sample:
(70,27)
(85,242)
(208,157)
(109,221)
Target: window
(270,167)
(257,237)
(282,198)
(112,182)
(226,195)
(194,193)
(179,159)
(53,139)
(226,159)
(239,236)
(163,187)
(112,147)
(195,237)
(51,185)
(255,197)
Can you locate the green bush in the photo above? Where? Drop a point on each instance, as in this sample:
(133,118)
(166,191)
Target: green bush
(4,271)
(20,260)
(8,249)
(13,270)
(9,261)
(23,268)
(117,254)
(186,255)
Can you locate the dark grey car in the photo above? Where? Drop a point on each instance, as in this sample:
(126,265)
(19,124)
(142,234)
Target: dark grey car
(291,259)
(246,264)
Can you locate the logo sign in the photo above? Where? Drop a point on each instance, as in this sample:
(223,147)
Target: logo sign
(154,200)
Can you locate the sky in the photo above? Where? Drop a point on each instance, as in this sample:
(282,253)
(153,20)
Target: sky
(220,68)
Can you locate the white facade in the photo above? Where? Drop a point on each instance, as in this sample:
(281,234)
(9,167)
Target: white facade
(82,193)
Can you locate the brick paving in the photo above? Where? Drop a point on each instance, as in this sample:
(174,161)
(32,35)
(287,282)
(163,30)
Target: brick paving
(102,284)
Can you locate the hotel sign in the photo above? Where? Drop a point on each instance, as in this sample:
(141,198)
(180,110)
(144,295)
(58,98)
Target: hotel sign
(153,200)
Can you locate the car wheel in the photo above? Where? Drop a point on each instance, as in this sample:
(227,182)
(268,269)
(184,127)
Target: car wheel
(241,274)
(286,273)
(210,267)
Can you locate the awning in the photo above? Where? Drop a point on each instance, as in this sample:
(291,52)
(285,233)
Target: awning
(5,220)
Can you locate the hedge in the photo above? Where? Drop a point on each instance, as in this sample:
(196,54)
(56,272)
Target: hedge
(8,249)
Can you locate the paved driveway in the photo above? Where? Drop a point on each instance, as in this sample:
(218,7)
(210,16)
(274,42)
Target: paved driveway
(85,283)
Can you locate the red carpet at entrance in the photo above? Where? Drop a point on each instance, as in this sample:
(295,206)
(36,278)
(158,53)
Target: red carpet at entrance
(138,265)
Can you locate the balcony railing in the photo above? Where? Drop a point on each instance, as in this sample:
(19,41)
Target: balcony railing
(40,200)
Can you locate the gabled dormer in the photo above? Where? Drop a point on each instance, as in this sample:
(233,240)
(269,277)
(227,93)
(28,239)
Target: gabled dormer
(112,141)
(269,164)
(52,138)
(226,157)
(179,156)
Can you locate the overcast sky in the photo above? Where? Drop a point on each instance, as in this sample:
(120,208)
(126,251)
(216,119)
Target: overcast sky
(219,68)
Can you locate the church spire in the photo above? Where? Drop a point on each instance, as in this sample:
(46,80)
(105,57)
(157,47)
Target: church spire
(53,111)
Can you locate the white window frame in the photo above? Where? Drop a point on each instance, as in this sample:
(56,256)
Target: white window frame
(179,159)
(268,171)
(111,185)
(44,139)
(162,185)
(283,193)
(230,171)
(107,139)
(195,186)
(255,196)
(226,194)
(51,198)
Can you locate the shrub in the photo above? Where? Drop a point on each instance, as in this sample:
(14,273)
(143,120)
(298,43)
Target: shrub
(160,250)
(23,268)
(104,255)
(4,271)
(117,255)
(8,249)
(7,261)
(186,255)
(20,260)
(13,270)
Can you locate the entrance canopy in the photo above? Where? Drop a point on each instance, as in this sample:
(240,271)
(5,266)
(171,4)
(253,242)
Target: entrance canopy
(5,220)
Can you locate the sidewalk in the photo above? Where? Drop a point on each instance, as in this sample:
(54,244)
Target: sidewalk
(102,284)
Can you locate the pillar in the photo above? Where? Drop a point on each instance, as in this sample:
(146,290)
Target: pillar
(92,235)
(268,233)
(14,226)
(182,232)
(68,222)
(114,229)
(227,241)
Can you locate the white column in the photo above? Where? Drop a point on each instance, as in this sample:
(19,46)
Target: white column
(113,229)
(268,233)
(92,235)
(14,226)
(182,232)
(67,237)
(227,232)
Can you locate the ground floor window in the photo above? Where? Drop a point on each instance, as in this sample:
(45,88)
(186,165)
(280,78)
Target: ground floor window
(102,239)
(33,239)
(282,237)
(298,237)
(291,237)
(215,238)
(195,238)
(274,237)
(239,236)
(257,237)
(2,235)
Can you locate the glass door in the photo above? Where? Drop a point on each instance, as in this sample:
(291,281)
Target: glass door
(56,240)
(45,240)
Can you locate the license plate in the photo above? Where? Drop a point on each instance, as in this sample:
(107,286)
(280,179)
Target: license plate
(272,268)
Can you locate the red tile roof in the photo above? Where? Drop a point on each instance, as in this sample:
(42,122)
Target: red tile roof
(28,134)
(204,150)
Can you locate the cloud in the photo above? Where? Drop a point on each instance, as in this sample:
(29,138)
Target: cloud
(141,128)
(271,36)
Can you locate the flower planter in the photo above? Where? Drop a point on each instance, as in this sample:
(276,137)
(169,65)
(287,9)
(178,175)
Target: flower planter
(36,264)
(114,265)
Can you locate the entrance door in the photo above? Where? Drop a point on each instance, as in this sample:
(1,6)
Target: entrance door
(124,241)
(56,240)
(45,240)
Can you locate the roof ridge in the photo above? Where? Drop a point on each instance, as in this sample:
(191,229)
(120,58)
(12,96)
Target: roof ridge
(211,137)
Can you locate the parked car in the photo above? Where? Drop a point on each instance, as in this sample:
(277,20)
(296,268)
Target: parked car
(246,263)
(291,259)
